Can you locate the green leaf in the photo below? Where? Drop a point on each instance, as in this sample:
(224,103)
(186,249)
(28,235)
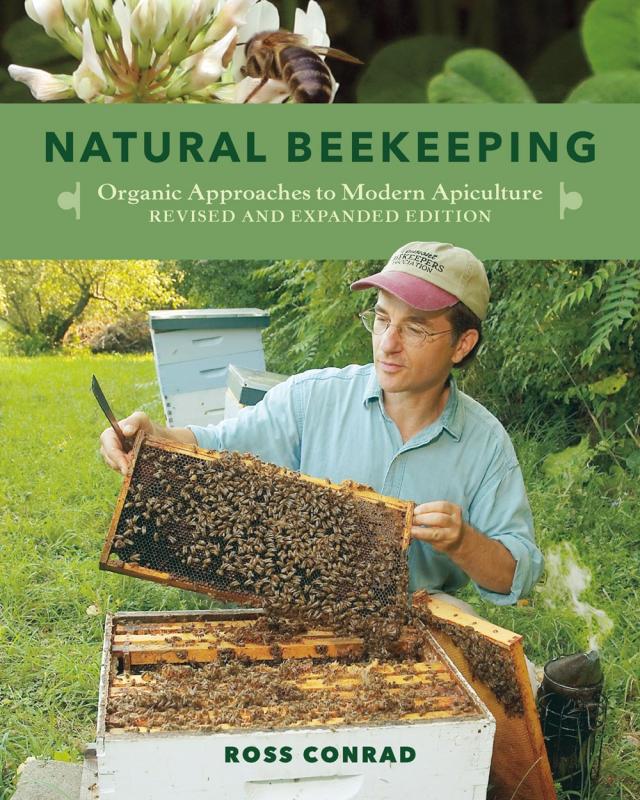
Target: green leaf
(452,88)
(608,87)
(399,72)
(560,66)
(27,44)
(633,461)
(611,35)
(610,385)
(64,755)
(478,76)
(570,463)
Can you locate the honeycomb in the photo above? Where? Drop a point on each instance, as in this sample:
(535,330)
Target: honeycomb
(240,529)
(225,681)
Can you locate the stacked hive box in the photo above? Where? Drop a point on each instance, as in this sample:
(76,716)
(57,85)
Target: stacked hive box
(193,349)
(170,726)
(247,387)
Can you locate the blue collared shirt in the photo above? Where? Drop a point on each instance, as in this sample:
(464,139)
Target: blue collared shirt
(331,423)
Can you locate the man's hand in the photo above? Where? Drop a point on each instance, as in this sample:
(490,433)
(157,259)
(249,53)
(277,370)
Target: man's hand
(440,524)
(112,451)
(110,446)
(486,561)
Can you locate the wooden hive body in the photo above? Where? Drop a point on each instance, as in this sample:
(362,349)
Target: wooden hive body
(450,738)
(520,768)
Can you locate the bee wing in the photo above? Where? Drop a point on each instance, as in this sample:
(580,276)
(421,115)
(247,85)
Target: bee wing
(332,52)
(282,38)
(274,39)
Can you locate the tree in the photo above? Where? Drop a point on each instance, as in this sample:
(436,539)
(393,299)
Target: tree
(44,299)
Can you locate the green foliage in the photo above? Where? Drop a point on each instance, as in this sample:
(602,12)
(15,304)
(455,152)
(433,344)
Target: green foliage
(568,333)
(569,464)
(25,42)
(611,35)
(616,287)
(399,72)
(314,314)
(608,87)
(559,67)
(583,516)
(478,76)
(56,501)
(42,300)
(6,788)
(611,40)
(221,284)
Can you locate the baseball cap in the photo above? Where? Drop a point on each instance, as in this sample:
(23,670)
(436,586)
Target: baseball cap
(433,276)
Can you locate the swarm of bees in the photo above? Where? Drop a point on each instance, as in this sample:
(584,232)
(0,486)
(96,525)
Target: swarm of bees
(243,530)
(286,57)
(282,694)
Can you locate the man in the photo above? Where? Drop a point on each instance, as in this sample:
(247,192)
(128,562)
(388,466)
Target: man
(402,426)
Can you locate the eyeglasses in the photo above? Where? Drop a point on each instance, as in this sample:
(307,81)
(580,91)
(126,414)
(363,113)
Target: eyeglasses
(411,333)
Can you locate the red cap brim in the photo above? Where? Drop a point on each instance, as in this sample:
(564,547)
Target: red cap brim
(414,291)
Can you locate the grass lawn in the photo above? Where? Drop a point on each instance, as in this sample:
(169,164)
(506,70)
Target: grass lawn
(56,500)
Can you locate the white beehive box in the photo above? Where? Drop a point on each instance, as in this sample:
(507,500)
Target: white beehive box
(193,349)
(452,749)
(247,387)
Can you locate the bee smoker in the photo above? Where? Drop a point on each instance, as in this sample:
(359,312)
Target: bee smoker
(572,710)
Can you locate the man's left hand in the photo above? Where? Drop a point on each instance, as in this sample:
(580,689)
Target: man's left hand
(440,524)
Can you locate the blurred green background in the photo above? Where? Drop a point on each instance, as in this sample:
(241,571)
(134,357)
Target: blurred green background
(402,42)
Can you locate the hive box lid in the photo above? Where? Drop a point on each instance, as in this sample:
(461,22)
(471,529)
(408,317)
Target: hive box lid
(249,386)
(199,318)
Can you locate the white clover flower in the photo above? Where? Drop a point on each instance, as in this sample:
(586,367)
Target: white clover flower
(271,92)
(89,80)
(201,13)
(77,11)
(161,50)
(43,85)
(230,14)
(180,12)
(149,21)
(123,18)
(312,25)
(204,68)
(49,14)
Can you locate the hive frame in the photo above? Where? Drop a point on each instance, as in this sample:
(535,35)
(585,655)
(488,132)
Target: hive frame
(520,768)
(127,568)
(351,647)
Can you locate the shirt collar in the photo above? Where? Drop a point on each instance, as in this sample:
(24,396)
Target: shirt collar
(452,417)
(372,390)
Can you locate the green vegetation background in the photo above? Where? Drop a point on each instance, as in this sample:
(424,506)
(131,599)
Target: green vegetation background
(560,368)
(436,51)
(539,38)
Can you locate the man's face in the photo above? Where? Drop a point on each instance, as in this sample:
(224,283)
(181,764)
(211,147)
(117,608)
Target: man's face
(402,366)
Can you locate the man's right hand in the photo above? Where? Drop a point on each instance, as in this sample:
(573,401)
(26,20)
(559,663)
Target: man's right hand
(110,446)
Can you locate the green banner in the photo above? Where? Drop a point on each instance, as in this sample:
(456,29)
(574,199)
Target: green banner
(353,181)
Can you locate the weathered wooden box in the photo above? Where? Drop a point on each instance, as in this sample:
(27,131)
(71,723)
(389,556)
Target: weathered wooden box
(173,745)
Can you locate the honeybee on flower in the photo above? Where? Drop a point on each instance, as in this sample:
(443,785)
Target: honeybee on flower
(159,51)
